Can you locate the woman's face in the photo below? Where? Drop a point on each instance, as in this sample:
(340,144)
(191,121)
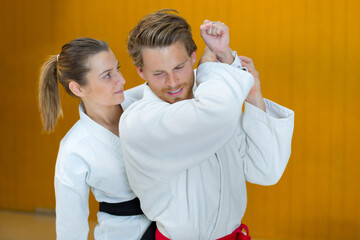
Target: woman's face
(105,83)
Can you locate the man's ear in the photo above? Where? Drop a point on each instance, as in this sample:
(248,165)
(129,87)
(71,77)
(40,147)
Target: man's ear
(140,72)
(76,89)
(193,58)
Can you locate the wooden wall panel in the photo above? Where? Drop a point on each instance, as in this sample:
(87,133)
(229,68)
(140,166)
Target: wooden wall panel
(307,53)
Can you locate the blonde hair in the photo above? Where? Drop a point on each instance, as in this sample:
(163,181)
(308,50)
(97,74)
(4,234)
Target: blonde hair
(159,29)
(69,65)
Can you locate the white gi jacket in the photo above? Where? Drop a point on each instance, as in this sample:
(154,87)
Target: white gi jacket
(90,156)
(188,161)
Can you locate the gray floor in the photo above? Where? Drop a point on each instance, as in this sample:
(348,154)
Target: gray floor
(28,226)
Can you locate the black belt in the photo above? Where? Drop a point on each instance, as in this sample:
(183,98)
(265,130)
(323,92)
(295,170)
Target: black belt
(128,208)
(149,234)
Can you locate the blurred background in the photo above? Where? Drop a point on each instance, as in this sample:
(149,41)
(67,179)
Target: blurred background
(306,51)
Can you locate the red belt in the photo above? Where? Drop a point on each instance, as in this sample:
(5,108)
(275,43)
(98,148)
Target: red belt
(238,234)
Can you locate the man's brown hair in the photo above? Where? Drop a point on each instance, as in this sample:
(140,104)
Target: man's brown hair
(159,29)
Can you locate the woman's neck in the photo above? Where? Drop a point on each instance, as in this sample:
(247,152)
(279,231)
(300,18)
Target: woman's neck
(106,116)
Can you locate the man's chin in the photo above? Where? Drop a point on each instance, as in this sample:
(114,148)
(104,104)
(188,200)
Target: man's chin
(178,99)
(171,100)
(174,100)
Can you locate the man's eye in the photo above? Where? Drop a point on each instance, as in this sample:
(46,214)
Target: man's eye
(108,75)
(179,67)
(158,74)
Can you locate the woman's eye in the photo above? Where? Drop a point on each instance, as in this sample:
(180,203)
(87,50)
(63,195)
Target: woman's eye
(118,67)
(179,67)
(108,75)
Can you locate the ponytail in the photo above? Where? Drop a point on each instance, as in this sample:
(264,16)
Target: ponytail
(49,98)
(69,65)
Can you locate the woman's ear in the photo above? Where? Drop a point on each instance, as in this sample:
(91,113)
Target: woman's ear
(76,89)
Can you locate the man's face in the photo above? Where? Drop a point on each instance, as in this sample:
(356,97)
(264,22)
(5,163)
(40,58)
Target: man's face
(169,72)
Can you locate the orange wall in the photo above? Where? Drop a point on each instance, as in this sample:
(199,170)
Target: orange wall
(308,56)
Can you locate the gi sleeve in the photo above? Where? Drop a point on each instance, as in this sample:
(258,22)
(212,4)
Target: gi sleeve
(132,95)
(160,140)
(267,147)
(72,195)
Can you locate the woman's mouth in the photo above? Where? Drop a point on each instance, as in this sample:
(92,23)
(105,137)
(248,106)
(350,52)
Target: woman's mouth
(119,92)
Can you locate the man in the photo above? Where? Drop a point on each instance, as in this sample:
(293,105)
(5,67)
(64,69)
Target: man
(188,150)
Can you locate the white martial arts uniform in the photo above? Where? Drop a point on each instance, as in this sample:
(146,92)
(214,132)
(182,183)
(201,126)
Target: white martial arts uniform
(188,161)
(90,156)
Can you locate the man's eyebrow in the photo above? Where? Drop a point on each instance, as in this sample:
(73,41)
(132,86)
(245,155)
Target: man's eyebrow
(181,63)
(157,70)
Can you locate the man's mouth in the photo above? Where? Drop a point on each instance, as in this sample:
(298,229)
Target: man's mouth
(176,93)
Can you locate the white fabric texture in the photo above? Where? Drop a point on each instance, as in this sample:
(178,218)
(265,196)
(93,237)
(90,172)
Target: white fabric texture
(90,157)
(188,161)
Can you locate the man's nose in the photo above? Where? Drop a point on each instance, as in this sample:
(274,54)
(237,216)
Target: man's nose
(171,80)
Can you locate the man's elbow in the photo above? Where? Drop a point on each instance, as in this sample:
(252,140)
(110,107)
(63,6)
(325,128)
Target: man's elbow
(267,177)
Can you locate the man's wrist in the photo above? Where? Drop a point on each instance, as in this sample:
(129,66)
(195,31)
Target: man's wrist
(226,56)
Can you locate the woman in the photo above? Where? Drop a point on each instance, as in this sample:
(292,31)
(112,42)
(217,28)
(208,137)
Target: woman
(89,154)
